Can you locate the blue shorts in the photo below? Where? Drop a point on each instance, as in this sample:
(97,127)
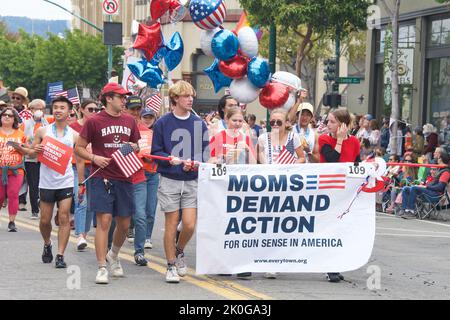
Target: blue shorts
(111,196)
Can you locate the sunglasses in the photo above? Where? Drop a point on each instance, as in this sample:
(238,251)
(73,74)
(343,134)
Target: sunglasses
(72,115)
(7,115)
(16,98)
(92,110)
(276,122)
(407,160)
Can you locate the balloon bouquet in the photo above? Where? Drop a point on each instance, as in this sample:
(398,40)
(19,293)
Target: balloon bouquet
(236,63)
(154,49)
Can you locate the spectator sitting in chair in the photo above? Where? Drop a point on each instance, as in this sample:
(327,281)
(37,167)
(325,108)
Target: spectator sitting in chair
(433,189)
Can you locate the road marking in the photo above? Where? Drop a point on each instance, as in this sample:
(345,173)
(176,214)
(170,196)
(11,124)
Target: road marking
(412,230)
(417,220)
(226,289)
(411,235)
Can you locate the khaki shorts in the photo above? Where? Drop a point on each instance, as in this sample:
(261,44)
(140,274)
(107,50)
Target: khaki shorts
(174,195)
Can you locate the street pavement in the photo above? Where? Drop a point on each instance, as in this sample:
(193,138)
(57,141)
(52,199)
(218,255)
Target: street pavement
(412,258)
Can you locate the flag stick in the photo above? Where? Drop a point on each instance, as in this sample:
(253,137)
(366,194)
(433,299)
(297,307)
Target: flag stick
(91,175)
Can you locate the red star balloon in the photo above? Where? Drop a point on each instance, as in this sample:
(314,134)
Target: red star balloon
(149,39)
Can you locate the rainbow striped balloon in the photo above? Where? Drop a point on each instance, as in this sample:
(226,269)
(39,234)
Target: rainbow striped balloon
(207,14)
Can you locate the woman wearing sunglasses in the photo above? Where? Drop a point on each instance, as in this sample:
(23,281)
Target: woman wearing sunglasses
(11,162)
(83,216)
(338,146)
(271,144)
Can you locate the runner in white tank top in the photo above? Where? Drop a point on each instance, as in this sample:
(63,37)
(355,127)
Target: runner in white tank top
(53,186)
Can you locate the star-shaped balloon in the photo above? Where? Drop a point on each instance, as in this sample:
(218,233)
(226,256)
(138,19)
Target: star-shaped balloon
(149,39)
(218,79)
(174,51)
(147,72)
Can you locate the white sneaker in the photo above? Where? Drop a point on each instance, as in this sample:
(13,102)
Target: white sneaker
(102,276)
(270,275)
(114,265)
(148,244)
(81,244)
(181,265)
(172,275)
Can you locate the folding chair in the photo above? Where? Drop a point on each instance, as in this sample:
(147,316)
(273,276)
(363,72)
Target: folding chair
(431,206)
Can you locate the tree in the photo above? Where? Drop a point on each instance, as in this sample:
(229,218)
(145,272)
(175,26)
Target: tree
(309,20)
(77,59)
(393,13)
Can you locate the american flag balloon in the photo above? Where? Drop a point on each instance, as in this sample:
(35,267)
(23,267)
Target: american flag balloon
(207,14)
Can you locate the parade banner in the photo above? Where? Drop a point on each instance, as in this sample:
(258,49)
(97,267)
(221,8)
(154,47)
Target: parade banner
(284,218)
(56,155)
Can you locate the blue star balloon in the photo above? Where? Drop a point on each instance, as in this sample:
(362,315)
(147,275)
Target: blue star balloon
(218,79)
(173,52)
(149,72)
(258,72)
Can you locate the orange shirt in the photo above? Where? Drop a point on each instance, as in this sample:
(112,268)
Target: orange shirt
(8,155)
(145,143)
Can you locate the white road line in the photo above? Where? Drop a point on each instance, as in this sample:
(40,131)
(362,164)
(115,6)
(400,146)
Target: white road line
(412,230)
(411,235)
(417,220)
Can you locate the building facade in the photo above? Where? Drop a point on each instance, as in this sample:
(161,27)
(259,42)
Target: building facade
(424,64)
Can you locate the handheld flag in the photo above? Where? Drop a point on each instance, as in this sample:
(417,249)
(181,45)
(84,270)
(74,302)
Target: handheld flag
(286,155)
(127,160)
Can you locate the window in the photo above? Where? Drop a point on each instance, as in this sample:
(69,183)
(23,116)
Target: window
(439,92)
(406,37)
(439,32)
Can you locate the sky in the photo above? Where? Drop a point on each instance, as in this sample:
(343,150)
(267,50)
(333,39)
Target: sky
(36,9)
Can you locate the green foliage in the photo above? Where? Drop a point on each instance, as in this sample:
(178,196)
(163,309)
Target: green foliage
(77,59)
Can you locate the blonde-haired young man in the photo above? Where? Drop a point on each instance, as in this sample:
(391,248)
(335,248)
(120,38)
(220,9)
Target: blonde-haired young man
(183,137)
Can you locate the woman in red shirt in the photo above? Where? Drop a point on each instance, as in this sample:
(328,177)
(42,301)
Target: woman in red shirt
(338,146)
(231,146)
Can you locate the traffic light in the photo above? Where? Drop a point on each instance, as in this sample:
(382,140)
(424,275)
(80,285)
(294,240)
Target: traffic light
(329,70)
(332,100)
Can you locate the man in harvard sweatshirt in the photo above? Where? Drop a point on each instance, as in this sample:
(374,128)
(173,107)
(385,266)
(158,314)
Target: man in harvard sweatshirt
(184,138)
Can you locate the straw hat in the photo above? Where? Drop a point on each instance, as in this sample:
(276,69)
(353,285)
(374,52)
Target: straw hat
(21,91)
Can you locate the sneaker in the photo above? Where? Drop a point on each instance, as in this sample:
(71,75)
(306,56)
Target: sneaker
(270,275)
(81,244)
(12,227)
(140,260)
(34,216)
(130,235)
(400,212)
(334,277)
(59,262)
(115,266)
(47,256)
(172,275)
(244,275)
(180,264)
(102,276)
(148,244)
(22,207)
(409,215)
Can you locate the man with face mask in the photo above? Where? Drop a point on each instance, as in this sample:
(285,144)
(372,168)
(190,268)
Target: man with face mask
(32,166)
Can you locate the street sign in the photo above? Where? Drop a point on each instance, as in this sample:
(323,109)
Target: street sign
(110,7)
(348,80)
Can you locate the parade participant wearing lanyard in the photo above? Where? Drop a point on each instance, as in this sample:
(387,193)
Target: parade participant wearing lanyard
(305,113)
(338,146)
(53,186)
(111,193)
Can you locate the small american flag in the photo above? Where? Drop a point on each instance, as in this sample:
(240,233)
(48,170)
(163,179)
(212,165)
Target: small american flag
(127,160)
(286,155)
(154,103)
(71,94)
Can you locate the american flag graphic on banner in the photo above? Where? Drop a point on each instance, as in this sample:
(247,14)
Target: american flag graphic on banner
(154,103)
(286,155)
(325,181)
(127,160)
(71,94)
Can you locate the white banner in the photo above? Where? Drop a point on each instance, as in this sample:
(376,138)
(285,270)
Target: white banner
(284,218)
